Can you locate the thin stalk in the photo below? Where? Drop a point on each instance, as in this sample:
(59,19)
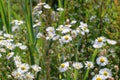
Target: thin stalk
(62,13)
(92,59)
(9,16)
(4,15)
(48,60)
(29,24)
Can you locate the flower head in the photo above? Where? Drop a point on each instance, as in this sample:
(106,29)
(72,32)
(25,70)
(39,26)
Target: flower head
(77,65)
(89,64)
(102,61)
(23,68)
(98,77)
(105,72)
(99,42)
(36,68)
(64,67)
(66,38)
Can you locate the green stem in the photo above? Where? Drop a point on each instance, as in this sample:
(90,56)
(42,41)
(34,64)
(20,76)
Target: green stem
(86,74)
(92,59)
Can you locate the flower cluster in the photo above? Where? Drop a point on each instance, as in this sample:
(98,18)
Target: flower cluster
(100,41)
(23,70)
(77,65)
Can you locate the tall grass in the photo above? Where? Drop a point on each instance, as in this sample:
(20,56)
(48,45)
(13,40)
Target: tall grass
(6,15)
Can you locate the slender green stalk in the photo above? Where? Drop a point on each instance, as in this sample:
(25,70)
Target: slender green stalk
(5,19)
(29,24)
(9,16)
(62,13)
(92,59)
(86,74)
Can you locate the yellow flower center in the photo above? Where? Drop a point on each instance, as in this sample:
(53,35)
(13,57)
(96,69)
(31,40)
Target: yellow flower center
(99,39)
(23,68)
(66,37)
(17,74)
(102,60)
(27,76)
(89,65)
(84,28)
(105,73)
(62,65)
(98,78)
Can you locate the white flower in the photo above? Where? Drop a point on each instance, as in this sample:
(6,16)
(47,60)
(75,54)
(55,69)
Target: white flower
(17,58)
(64,67)
(98,77)
(39,35)
(89,64)
(105,72)
(10,46)
(17,74)
(15,28)
(102,61)
(63,29)
(23,68)
(46,6)
(60,9)
(68,25)
(56,37)
(36,68)
(23,47)
(37,24)
(50,30)
(83,25)
(17,63)
(73,22)
(50,36)
(112,42)
(85,29)
(74,33)
(66,38)
(17,22)
(8,35)
(2,50)
(77,65)
(99,42)
(29,76)
(9,55)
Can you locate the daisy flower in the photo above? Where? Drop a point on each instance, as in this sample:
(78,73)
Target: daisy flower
(63,29)
(89,64)
(112,42)
(98,77)
(50,30)
(29,76)
(77,65)
(102,61)
(46,6)
(66,38)
(23,68)
(17,74)
(60,9)
(64,67)
(105,72)
(36,68)
(74,33)
(9,55)
(99,42)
